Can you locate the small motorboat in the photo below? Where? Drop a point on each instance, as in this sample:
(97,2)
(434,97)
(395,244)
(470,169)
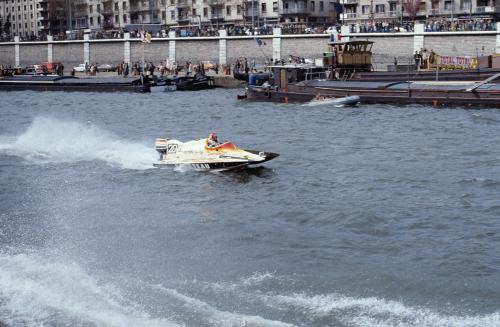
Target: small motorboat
(336,102)
(198,155)
(194,83)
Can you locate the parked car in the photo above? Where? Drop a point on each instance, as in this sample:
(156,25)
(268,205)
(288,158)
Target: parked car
(39,70)
(80,68)
(106,68)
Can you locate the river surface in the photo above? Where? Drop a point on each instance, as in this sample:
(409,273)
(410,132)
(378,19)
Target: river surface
(372,216)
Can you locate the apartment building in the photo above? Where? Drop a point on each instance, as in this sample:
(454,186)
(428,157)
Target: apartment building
(363,11)
(18,17)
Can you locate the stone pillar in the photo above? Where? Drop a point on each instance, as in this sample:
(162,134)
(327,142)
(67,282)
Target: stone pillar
(171,46)
(345,32)
(86,49)
(497,49)
(50,38)
(16,51)
(222,47)
(126,48)
(418,37)
(276,44)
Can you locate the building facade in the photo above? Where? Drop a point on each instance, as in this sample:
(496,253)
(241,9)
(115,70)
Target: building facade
(18,17)
(27,18)
(372,11)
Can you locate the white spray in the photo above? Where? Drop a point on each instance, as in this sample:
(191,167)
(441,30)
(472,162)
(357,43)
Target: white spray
(53,140)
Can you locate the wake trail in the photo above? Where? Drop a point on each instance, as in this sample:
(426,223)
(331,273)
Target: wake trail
(50,140)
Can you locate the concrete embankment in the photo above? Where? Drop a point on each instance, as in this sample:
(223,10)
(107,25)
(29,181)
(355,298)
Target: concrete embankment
(226,50)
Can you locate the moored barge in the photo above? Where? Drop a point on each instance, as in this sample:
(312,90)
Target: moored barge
(69,83)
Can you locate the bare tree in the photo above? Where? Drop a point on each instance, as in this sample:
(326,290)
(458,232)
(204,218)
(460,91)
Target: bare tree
(56,11)
(411,7)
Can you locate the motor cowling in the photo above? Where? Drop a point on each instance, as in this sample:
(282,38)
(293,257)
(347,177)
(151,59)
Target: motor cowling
(161,146)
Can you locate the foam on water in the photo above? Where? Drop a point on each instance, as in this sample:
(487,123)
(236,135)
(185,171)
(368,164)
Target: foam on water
(35,291)
(375,312)
(53,140)
(218,317)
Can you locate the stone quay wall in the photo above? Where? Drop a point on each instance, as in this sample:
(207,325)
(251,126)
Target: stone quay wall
(225,49)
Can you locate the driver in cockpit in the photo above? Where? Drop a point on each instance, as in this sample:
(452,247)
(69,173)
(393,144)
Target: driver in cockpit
(212,140)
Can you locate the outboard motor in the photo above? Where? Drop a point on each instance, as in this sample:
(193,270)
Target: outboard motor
(161,147)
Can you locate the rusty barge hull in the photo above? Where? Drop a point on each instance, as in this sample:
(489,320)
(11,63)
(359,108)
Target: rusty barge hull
(427,93)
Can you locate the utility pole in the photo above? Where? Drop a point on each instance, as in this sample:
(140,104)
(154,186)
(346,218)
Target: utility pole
(253,14)
(69,20)
(371,11)
(151,11)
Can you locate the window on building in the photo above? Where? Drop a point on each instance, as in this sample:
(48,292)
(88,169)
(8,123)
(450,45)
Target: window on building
(194,2)
(91,9)
(163,2)
(124,5)
(116,6)
(228,10)
(263,7)
(205,12)
(125,18)
(465,4)
(117,19)
(393,6)
(275,6)
(365,9)
(194,11)
(238,9)
(91,20)
(448,5)
(98,8)
(321,6)
(312,6)
(172,2)
(380,8)
(98,20)
(172,14)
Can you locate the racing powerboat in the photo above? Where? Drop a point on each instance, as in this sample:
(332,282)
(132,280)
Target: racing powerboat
(203,156)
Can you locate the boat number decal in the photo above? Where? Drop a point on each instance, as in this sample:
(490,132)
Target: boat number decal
(172,148)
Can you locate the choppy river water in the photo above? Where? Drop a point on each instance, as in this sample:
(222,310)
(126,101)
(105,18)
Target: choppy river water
(371,216)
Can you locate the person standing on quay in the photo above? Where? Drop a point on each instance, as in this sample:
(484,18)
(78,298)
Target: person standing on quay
(417,57)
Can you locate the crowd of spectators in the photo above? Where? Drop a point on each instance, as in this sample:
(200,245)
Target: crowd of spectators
(442,25)
(431,25)
(382,27)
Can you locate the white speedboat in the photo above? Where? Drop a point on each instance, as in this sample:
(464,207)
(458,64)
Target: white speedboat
(336,102)
(198,155)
